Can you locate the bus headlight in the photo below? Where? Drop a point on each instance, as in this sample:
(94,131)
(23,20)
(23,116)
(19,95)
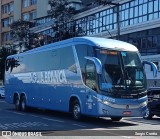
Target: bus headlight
(106,102)
(144,103)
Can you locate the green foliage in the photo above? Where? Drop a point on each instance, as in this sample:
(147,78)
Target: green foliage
(20,32)
(3,55)
(61,10)
(64,26)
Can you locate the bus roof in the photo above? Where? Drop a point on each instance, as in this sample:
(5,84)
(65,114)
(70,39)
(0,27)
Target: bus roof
(108,43)
(94,41)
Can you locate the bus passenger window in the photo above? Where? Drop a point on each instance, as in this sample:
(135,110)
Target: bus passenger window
(91,76)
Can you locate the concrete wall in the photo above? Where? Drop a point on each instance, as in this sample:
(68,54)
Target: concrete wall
(42,8)
(17,9)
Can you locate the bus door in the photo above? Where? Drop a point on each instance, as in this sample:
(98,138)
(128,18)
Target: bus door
(91,83)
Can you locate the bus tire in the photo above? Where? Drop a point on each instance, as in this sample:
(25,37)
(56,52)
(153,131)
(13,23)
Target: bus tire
(148,115)
(23,104)
(17,103)
(116,118)
(76,110)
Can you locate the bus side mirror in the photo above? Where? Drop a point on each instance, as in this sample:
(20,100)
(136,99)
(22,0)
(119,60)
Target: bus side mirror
(153,67)
(97,63)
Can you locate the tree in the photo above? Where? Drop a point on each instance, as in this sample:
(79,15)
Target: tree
(64,26)
(4,52)
(22,37)
(20,33)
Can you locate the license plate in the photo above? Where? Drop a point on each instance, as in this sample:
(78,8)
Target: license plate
(127,113)
(156,96)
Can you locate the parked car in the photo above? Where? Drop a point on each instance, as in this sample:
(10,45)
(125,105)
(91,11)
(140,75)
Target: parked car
(153,103)
(2,92)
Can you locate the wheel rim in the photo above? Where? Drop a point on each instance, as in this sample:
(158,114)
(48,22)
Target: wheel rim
(17,103)
(76,111)
(23,105)
(147,113)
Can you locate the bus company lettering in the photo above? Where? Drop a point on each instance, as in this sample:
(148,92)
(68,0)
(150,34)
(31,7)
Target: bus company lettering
(55,76)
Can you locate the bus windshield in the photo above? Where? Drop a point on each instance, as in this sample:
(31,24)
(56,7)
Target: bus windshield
(122,71)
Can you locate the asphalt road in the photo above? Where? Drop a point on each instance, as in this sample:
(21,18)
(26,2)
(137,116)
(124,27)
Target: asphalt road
(51,123)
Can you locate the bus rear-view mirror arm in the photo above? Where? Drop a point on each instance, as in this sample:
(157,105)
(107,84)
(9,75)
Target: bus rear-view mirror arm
(153,67)
(97,63)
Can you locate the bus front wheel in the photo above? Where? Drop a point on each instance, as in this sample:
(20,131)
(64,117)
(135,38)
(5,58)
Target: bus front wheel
(76,110)
(148,114)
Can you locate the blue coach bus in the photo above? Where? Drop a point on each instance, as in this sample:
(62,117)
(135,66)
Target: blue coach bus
(84,75)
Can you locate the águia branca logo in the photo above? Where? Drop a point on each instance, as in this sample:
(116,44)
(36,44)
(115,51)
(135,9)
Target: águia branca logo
(54,76)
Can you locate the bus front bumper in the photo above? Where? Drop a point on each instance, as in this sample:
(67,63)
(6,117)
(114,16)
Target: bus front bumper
(119,110)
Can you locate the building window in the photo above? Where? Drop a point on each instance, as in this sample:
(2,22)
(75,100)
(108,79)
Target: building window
(8,8)
(150,7)
(29,16)
(4,9)
(33,2)
(145,8)
(32,15)
(25,16)
(6,36)
(150,42)
(5,22)
(11,19)
(25,3)
(11,7)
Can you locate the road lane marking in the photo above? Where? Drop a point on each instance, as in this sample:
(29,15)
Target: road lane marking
(54,120)
(15,112)
(128,137)
(34,115)
(3,101)
(143,121)
(19,113)
(79,125)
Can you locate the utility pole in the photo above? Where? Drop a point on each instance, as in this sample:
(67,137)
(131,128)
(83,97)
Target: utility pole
(109,2)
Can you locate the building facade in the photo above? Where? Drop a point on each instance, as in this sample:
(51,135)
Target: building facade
(13,10)
(6,16)
(139,23)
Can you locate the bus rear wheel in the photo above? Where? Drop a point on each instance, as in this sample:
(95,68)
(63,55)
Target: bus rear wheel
(17,103)
(23,104)
(76,110)
(116,118)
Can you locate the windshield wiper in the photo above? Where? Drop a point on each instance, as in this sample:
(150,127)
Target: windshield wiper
(129,78)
